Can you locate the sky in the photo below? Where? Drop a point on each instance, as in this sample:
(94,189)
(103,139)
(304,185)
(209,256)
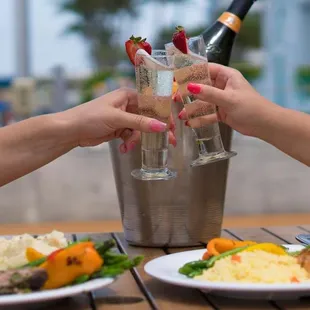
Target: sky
(50,47)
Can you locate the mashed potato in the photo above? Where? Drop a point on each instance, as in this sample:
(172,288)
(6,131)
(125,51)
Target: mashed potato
(12,251)
(256,267)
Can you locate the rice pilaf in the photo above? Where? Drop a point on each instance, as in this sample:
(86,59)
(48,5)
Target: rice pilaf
(256,267)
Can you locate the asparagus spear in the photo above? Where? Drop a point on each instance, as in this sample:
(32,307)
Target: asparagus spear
(102,248)
(196,268)
(111,258)
(118,268)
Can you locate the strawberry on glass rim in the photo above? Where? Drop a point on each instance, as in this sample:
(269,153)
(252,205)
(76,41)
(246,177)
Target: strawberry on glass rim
(134,44)
(179,40)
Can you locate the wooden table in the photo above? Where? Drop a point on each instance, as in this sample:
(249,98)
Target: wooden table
(136,290)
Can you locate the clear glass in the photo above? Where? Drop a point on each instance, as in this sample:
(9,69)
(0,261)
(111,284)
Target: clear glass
(154,80)
(193,67)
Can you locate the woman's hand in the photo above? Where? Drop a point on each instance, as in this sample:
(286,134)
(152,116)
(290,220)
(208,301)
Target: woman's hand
(238,103)
(32,143)
(114,115)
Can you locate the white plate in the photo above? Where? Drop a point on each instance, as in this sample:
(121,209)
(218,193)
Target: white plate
(43,296)
(165,268)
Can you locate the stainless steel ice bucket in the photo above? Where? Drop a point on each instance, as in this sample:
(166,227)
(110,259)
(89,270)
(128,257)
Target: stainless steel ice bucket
(185,211)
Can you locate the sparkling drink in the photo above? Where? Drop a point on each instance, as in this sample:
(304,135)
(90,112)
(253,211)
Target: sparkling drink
(193,68)
(154,78)
(155,145)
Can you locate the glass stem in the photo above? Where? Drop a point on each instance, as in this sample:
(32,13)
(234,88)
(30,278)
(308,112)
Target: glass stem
(154,148)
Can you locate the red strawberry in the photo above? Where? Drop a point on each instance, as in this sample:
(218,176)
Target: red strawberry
(179,39)
(133,44)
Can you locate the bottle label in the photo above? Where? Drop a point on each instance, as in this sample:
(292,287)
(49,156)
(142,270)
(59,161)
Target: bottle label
(231,20)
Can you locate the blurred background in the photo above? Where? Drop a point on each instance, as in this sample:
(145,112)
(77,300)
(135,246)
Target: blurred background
(57,54)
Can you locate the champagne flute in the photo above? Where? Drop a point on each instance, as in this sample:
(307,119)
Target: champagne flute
(193,68)
(154,79)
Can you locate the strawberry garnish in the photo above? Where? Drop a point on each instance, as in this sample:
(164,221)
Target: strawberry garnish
(133,44)
(179,39)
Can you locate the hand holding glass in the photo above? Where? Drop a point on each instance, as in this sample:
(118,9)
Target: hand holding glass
(193,68)
(154,80)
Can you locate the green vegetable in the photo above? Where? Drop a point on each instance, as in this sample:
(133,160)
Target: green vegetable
(213,259)
(108,272)
(111,258)
(81,279)
(195,268)
(35,263)
(102,248)
(117,268)
(114,263)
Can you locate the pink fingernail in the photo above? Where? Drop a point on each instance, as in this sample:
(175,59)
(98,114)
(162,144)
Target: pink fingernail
(158,126)
(194,88)
(131,146)
(123,148)
(187,124)
(181,114)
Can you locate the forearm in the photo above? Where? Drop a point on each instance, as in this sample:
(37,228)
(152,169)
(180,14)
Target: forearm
(289,131)
(31,144)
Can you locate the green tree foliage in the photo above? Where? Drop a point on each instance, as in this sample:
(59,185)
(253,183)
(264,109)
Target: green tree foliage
(95,22)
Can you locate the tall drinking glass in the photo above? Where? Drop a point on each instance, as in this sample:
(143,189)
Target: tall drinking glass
(154,80)
(193,68)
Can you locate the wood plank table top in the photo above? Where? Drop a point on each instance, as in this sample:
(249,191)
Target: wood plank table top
(136,290)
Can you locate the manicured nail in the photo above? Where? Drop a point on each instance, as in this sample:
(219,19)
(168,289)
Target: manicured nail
(178,98)
(194,88)
(131,146)
(158,126)
(181,114)
(187,124)
(123,148)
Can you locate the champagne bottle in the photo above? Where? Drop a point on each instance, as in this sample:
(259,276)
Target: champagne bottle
(219,37)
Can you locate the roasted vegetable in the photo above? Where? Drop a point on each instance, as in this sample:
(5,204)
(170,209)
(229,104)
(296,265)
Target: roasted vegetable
(101,248)
(65,266)
(108,262)
(217,246)
(267,247)
(33,255)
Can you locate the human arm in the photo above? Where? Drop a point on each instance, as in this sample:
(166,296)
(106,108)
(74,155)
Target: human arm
(245,110)
(289,131)
(30,144)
